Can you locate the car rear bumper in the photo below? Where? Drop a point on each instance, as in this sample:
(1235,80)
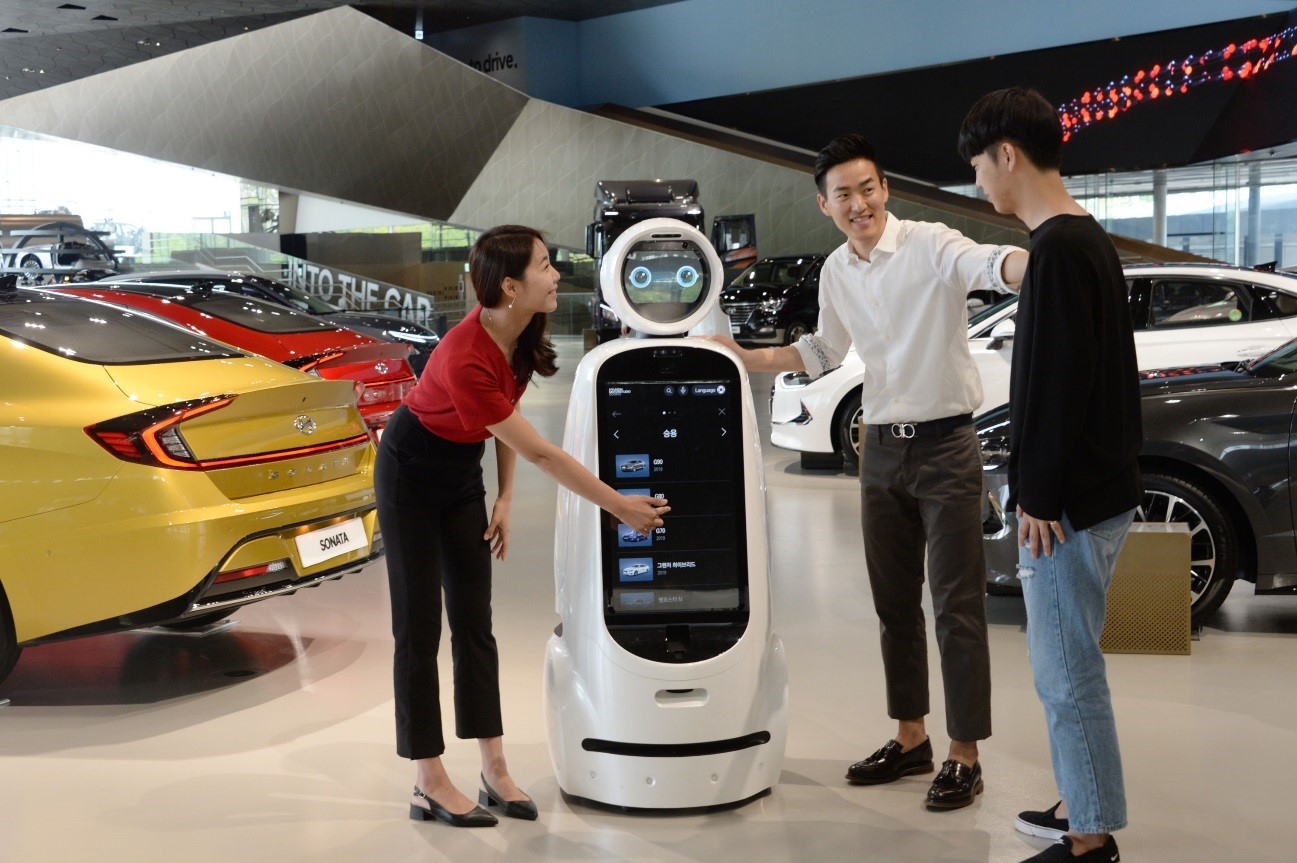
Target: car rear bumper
(230,595)
(151,545)
(279,546)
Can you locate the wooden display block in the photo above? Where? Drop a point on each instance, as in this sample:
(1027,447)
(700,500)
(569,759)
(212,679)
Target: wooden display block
(1148,603)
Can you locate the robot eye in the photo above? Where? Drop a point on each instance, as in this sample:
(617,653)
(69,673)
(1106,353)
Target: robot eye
(687,276)
(641,277)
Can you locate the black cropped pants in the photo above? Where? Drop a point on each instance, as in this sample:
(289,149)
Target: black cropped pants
(925,495)
(432,512)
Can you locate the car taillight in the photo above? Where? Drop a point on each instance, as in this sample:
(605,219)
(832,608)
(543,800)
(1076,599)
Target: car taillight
(152,437)
(387,391)
(308,364)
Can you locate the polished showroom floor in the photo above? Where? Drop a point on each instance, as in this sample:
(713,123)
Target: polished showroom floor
(271,739)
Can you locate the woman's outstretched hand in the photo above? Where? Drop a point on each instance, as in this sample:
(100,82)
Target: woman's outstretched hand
(642,513)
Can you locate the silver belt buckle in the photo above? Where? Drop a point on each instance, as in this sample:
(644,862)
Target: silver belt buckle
(903,430)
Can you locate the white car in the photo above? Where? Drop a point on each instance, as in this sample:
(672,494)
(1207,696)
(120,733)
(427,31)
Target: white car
(1184,314)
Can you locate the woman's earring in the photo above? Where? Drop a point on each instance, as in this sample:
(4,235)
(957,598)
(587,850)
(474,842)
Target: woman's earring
(511,304)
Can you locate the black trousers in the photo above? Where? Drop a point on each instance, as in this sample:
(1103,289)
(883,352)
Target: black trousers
(926,494)
(432,511)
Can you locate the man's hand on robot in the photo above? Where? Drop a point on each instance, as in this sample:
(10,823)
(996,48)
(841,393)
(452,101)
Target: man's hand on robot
(644,513)
(726,341)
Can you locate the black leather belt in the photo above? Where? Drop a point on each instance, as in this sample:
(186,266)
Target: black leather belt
(930,428)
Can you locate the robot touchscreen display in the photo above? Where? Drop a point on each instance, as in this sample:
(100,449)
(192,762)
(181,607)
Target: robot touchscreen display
(671,426)
(665,280)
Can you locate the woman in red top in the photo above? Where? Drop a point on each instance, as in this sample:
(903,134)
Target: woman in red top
(432,509)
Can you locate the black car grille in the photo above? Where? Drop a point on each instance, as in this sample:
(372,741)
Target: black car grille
(739,312)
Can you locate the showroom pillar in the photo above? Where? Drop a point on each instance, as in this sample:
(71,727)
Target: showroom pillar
(287,212)
(1251,241)
(1159,206)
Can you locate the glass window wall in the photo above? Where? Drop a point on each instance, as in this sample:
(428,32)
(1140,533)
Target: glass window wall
(156,215)
(1241,210)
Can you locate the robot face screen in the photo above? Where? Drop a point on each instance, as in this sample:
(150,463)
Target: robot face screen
(670,426)
(665,280)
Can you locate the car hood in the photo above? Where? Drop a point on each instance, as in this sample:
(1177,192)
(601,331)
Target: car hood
(754,293)
(1188,378)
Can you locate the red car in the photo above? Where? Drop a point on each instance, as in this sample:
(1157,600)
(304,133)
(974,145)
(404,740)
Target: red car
(296,339)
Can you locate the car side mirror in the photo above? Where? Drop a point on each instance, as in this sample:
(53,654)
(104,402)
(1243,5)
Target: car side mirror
(1001,333)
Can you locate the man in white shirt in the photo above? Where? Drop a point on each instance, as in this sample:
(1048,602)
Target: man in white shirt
(898,290)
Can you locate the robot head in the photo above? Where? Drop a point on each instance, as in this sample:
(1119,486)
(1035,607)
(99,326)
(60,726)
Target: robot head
(661,277)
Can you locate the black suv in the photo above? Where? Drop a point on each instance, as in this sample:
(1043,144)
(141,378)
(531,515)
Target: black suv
(775,301)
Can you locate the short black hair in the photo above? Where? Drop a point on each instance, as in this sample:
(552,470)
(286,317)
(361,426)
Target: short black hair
(843,149)
(1018,115)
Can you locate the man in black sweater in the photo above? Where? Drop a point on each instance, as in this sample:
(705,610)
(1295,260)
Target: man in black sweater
(1074,404)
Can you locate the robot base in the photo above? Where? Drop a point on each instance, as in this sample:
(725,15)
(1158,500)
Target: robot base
(711,735)
(573,800)
(672,785)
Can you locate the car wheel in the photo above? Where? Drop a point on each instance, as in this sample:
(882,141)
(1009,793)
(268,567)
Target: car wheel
(1213,541)
(30,274)
(191,623)
(9,649)
(796,330)
(846,431)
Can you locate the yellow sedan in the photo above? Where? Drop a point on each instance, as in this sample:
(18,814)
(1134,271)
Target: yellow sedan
(151,476)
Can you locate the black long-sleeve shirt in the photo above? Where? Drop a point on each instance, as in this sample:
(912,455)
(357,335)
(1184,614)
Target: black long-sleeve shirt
(1074,385)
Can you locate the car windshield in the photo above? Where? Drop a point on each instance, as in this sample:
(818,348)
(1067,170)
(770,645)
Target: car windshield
(985,312)
(100,333)
(260,315)
(296,296)
(782,273)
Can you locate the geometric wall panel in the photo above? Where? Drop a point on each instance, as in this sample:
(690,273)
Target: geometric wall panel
(544,174)
(334,103)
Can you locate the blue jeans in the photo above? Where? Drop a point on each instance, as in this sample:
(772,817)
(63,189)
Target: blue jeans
(1066,596)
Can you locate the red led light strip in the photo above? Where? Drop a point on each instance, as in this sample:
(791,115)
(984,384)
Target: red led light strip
(1165,80)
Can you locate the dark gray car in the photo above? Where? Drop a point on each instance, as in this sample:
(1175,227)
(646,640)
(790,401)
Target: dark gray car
(1218,455)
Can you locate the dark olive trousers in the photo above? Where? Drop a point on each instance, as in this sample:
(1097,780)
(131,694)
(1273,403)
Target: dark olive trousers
(925,494)
(432,512)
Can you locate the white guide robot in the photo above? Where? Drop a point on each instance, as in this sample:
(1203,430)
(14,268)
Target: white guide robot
(665,686)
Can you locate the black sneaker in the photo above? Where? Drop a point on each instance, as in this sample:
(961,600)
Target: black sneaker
(1062,853)
(1046,825)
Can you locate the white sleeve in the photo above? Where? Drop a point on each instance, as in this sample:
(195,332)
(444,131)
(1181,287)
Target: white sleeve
(967,265)
(823,350)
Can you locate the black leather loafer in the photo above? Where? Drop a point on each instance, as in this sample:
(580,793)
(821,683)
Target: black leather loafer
(524,809)
(891,763)
(475,817)
(956,786)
